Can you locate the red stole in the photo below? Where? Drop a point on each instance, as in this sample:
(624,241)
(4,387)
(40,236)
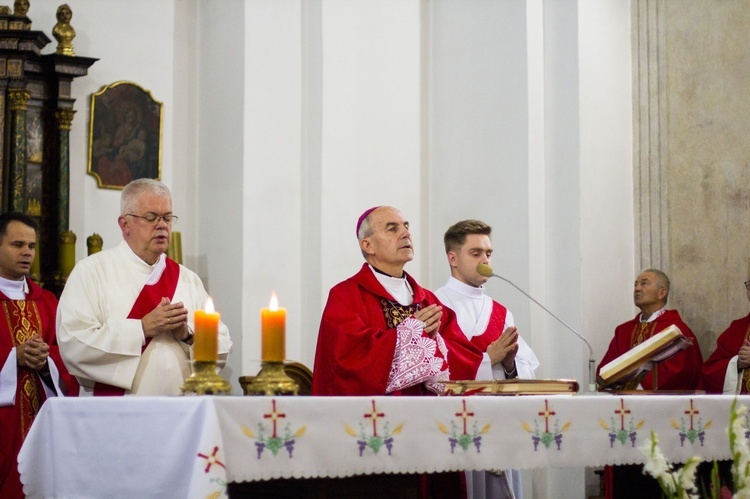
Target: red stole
(24,321)
(147,300)
(495,327)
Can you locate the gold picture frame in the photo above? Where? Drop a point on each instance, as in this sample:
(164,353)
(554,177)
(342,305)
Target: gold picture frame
(125,131)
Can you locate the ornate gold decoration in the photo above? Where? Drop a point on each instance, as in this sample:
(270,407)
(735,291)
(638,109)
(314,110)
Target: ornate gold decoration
(63,31)
(205,380)
(271,380)
(395,313)
(15,68)
(94,243)
(18,98)
(65,118)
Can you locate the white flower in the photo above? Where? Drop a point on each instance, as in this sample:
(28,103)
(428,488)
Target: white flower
(687,476)
(657,466)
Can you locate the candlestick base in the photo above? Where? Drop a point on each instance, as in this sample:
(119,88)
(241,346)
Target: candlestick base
(205,380)
(271,380)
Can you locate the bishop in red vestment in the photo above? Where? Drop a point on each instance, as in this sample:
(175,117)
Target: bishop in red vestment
(382,333)
(30,365)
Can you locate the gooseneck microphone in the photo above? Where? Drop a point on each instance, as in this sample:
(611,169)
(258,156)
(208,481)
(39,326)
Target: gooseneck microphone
(486,271)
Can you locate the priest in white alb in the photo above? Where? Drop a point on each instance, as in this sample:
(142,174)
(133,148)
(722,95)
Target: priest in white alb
(125,317)
(489,326)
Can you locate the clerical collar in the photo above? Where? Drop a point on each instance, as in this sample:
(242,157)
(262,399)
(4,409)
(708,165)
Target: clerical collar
(464,289)
(15,290)
(398,287)
(375,269)
(653,316)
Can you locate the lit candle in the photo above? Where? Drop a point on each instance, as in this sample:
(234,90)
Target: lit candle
(272,327)
(206,340)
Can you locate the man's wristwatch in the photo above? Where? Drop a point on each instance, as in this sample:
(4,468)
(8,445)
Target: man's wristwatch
(513,372)
(189,339)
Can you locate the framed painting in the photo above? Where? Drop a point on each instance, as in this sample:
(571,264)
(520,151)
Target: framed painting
(124,135)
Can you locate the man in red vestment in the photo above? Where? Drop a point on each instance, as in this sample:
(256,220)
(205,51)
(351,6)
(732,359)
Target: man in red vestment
(382,333)
(681,372)
(30,366)
(730,361)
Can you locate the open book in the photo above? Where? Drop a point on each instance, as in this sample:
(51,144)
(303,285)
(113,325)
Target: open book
(627,370)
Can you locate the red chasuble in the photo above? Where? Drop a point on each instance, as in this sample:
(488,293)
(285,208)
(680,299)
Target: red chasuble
(727,346)
(19,321)
(147,300)
(357,339)
(495,327)
(681,372)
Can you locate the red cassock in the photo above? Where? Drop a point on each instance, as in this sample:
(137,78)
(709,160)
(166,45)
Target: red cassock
(356,346)
(19,321)
(727,346)
(681,372)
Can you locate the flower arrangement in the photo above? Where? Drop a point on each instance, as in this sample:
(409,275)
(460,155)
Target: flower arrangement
(680,483)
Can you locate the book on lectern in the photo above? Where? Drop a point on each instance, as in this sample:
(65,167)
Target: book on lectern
(629,369)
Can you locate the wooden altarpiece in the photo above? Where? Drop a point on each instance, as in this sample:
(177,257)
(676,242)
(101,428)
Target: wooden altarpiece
(36,114)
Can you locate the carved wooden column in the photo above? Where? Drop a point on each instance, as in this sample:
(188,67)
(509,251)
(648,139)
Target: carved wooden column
(64,118)
(18,102)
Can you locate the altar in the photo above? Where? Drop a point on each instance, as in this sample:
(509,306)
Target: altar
(195,446)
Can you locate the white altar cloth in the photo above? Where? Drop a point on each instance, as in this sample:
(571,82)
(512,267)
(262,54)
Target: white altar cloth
(193,446)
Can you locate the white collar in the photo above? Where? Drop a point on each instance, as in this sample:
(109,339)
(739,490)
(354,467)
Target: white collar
(398,287)
(464,289)
(15,290)
(653,316)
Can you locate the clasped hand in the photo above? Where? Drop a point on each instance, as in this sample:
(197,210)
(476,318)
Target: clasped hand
(504,349)
(166,318)
(430,315)
(743,357)
(33,353)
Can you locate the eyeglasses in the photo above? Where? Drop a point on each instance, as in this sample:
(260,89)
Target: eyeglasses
(153,218)
(747,285)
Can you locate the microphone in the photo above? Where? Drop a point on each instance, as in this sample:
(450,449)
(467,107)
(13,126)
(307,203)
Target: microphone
(486,271)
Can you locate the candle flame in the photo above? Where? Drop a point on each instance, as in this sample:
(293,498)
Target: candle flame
(274,304)
(209,306)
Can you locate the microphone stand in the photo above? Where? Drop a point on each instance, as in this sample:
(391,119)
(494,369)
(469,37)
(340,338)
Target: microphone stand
(592,362)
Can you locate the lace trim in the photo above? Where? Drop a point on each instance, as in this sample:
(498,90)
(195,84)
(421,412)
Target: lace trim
(418,359)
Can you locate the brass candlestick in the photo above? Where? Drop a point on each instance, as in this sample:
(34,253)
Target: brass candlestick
(272,380)
(205,380)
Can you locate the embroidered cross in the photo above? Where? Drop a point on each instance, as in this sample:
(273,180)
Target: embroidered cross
(464,415)
(621,411)
(375,415)
(274,416)
(211,460)
(546,413)
(692,412)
